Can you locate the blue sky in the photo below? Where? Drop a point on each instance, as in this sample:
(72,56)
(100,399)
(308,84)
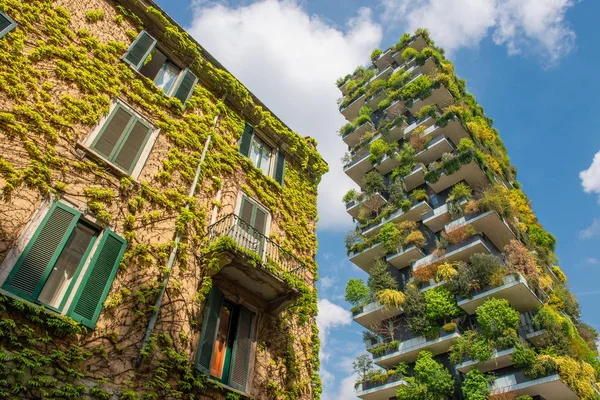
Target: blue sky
(530,63)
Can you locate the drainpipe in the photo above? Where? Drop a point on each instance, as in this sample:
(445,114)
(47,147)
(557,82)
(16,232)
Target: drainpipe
(173,254)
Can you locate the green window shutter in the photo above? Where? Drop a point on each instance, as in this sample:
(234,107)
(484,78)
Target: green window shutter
(242,345)
(139,50)
(7,24)
(132,146)
(37,260)
(246,140)
(95,285)
(210,325)
(280,167)
(186,85)
(112,131)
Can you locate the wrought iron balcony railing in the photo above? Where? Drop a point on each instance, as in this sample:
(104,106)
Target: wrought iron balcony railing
(274,258)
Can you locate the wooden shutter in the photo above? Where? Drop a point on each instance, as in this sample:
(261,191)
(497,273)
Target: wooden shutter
(139,50)
(260,220)
(240,358)
(133,145)
(95,285)
(210,325)
(280,167)
(110,134)
(185,88)
(37,260)
(246,140)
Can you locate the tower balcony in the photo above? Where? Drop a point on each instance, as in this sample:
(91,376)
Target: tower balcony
(437,219)
(489,222)
(434,150)
(427,122)
(471,173)
(418,44)
(453,130)
(499,359)
(358,167)
(550,387)
(440,96)
(350,112)
(404,257)
(384,73)
(385,59)
(514,289)
(459,252)
(395,109)
(380,390)
(374,312)
(373,100)
(353,138)
(374,201)
(364,259)
(415,179)
(408,350)
(254,263)
(415,213)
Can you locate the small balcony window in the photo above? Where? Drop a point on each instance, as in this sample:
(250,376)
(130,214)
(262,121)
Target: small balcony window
(62,260)
(145,57)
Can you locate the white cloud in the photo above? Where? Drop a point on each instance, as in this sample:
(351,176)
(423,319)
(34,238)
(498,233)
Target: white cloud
(344,391)
(537,25)
(592,260)
(291,61)
(327,282)
(330,316)
(590,178)
(591,231)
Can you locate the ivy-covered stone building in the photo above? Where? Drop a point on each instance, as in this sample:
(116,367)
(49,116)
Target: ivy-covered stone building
(157,221)
(464,298)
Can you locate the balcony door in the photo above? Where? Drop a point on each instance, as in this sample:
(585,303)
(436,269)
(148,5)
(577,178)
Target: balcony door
(253,221)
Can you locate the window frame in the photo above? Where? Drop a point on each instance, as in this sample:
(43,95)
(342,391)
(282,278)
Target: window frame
(265,143)
(10,27)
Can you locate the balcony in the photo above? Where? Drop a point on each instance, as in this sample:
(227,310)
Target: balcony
(373,313)
(374,201)
(459,252)
(514,289)
(403,257)
(358,167)
(418,44)
(499,359)
(384,59)
(415,179)
(353,138)
(352,109)
(439,96)
(434,150)
(380,391)
(408,350)
(488,222)
(365,259)
(254,263)
(383,74)
(549,388)
(415,213)
(453,130)
(426,122)
(438,218)
(373,100)
(471,173)
(395,109)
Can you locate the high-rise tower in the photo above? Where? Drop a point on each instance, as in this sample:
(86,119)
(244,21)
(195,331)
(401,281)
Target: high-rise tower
(464,298)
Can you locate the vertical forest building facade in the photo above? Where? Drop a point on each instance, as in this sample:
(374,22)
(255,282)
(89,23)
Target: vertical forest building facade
(464,298)
(157,221)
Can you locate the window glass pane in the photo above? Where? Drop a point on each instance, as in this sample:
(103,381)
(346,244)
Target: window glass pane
(260,154)
(220,350)
(4,22)
(66,266)
(153,64)
(167,76)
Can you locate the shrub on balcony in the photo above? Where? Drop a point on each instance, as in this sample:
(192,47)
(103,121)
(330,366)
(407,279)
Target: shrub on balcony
(447,271)
(375,87)
(496,318)
(375,54)
(351,195)
(459,193)
(460,234)
(559,274)
(427,111)
(519,258)
(363,367)
(406,158)
(391,298)
(351,86)
(373,183)
(380,148)
(482,270)
(476,385)
(355,242)
(495,198)
(364,115)
(341,80)
(399,79)
(383,104)
(409,53)
(390,237)
(440,305)
(425,274)
(418,195)
(415,238)
(472,345)
(416,87)
(418,141)
(433,176)
(465,144)
(431,381)
(540,238)
(414,308)
(404,40)
(357,293)
(381,278)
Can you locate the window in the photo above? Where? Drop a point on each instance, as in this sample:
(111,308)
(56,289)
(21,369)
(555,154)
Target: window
(254,148)
(225,342)
(48,269)
(7,24)
(148,60)
(122,138)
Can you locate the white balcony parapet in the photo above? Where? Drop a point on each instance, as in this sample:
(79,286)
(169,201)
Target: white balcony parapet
(384,391)
(375,201)
(408,350)
(375,312)
(499,359)
(458,252)
(490,223)
(550,387)
(415,213)
(365,259)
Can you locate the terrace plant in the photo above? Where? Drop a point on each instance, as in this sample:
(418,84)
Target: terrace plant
(431,380)
(380,148)
(519,258)
(471,344)
(416,87)
(350,196)
(440,305)
(482,270)
(373,182)
(407,159)
(375,54)
(494,197)
(391,298)
(380,278)
(363,367)
(427,111)
(357,293)
(460,234)
(409,53)
(497,318)
(399,79)
(459,193)
(476,385)
(415,238)
(418,195)
(390,237)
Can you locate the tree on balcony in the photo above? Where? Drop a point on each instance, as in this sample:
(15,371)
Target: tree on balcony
(431,381)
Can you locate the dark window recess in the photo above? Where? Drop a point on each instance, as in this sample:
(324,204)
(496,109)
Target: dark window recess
(7,24)
(145,57)
(225,342)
